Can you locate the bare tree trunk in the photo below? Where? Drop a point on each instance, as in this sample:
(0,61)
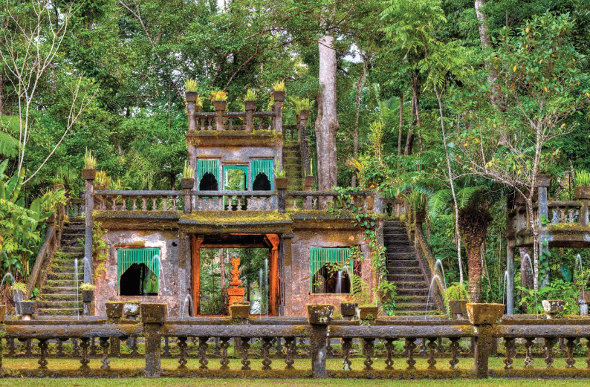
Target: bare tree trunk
(326,123)
(484,37)
(401,123)
(355,135)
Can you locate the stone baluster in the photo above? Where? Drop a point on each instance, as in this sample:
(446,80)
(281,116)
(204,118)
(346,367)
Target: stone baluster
(410,347)
(224,345)
(290,352)
(183,353)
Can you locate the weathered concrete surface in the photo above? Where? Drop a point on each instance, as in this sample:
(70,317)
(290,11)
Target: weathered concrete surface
(297,268)
(174,274)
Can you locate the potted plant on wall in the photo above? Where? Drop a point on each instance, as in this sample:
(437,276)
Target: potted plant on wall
(190,90)
(89,171)
(456,298)
(18,293)
(87,292)
(250,100)
(279,90)
(582,185)
(219,100)
(281,180)
(188,177)
(367,309)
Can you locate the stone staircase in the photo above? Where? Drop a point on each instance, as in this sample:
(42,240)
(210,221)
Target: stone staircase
(292,165)
(404,270)
(58,291)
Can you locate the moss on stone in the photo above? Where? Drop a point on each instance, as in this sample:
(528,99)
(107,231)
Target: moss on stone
(222,218)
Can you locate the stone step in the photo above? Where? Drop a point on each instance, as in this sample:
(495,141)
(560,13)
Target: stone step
(411,299)
(412,292)
(404,270)
(412,307)
(61,304)
(62,283)
(418,313)
(401,263)
(409,284)
(57,289)
(60,311)
(66,268)
(397,277)
(58,296)
(64,276)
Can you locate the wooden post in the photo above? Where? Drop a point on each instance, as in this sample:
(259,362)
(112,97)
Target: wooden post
(197,241)
(274,273)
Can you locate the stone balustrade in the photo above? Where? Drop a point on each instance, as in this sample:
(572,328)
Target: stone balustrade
(399,347)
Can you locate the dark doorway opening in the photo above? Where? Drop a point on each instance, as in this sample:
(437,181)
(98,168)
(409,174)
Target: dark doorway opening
(138,280)
(261,183)
(208,182)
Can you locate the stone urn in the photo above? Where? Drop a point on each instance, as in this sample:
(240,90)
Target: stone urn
(191,96)
(2,312)
(239,310)
(114,310)
(87,295)
(367,312)
(543,180)
(484,314)
(308,182)
(458,309)
(27,309)
(319,314)
(187,183)
(219,105)
(553,307)
(348,309)
(250,105)
(279,95)
(582,193)
(304,115)
(88,173)
(281,183)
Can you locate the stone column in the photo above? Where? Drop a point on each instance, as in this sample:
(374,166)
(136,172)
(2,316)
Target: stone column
(542,183)
(88,175)
(250,107)
(187,186)
(319,317)
(2,332)
(219,110)
(274,273)
(510,278)
(279,98)
(153,317)
(484,318)
(114,311)
(191,98)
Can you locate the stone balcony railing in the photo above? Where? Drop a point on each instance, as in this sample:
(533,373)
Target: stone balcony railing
(401,347)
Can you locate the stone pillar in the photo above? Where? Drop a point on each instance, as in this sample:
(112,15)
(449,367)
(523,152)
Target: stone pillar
(281,186)
(274,273)
(319,317)
(542,183)
(510,278)
(153,317)
(191,98)
(219,110)
(250,107)
(2,333)
(279,98)
(484,318)
(88,175)
(187,186)
(195,272)
(114,311)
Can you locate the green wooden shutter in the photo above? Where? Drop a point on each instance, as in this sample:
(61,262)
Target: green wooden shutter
(319,256)
(147,256)
(262,166)
(208,166)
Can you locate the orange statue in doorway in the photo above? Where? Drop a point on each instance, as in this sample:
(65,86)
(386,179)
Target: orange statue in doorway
(235,293)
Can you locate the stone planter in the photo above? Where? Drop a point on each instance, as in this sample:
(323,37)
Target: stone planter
(114,310)
(220,105)
(319,314)
(308,182)
(2,312)
(543,180)
(249,105)
(131,310)
(27,308)
(582,193)
(304,115)
(458,308)
(348,309)
(484,314)
(187,183)
(279,96)
(281,183)
(191,96)
(239,311)
(88,173)
(553,307)
(152,313)
(87,295)
(367,312)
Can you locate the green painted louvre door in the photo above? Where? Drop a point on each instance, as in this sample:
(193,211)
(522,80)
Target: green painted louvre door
(263,166)
(319,256)
(208,166)
(150,257)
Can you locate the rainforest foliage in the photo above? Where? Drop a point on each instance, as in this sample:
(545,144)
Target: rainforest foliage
(454,109)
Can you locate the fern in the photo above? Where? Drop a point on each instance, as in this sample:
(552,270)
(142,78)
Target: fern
(8,145)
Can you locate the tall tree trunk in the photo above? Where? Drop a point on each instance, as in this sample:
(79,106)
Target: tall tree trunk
(473,223)
(326,123)
(401,123)
(1,93)
(415,114)
(360,84)
(484,37)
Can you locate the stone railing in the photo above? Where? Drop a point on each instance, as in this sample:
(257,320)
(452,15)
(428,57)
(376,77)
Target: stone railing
(412,347)
(234,200)
(322,200)
(137,200)
(247,121)
(75,207)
